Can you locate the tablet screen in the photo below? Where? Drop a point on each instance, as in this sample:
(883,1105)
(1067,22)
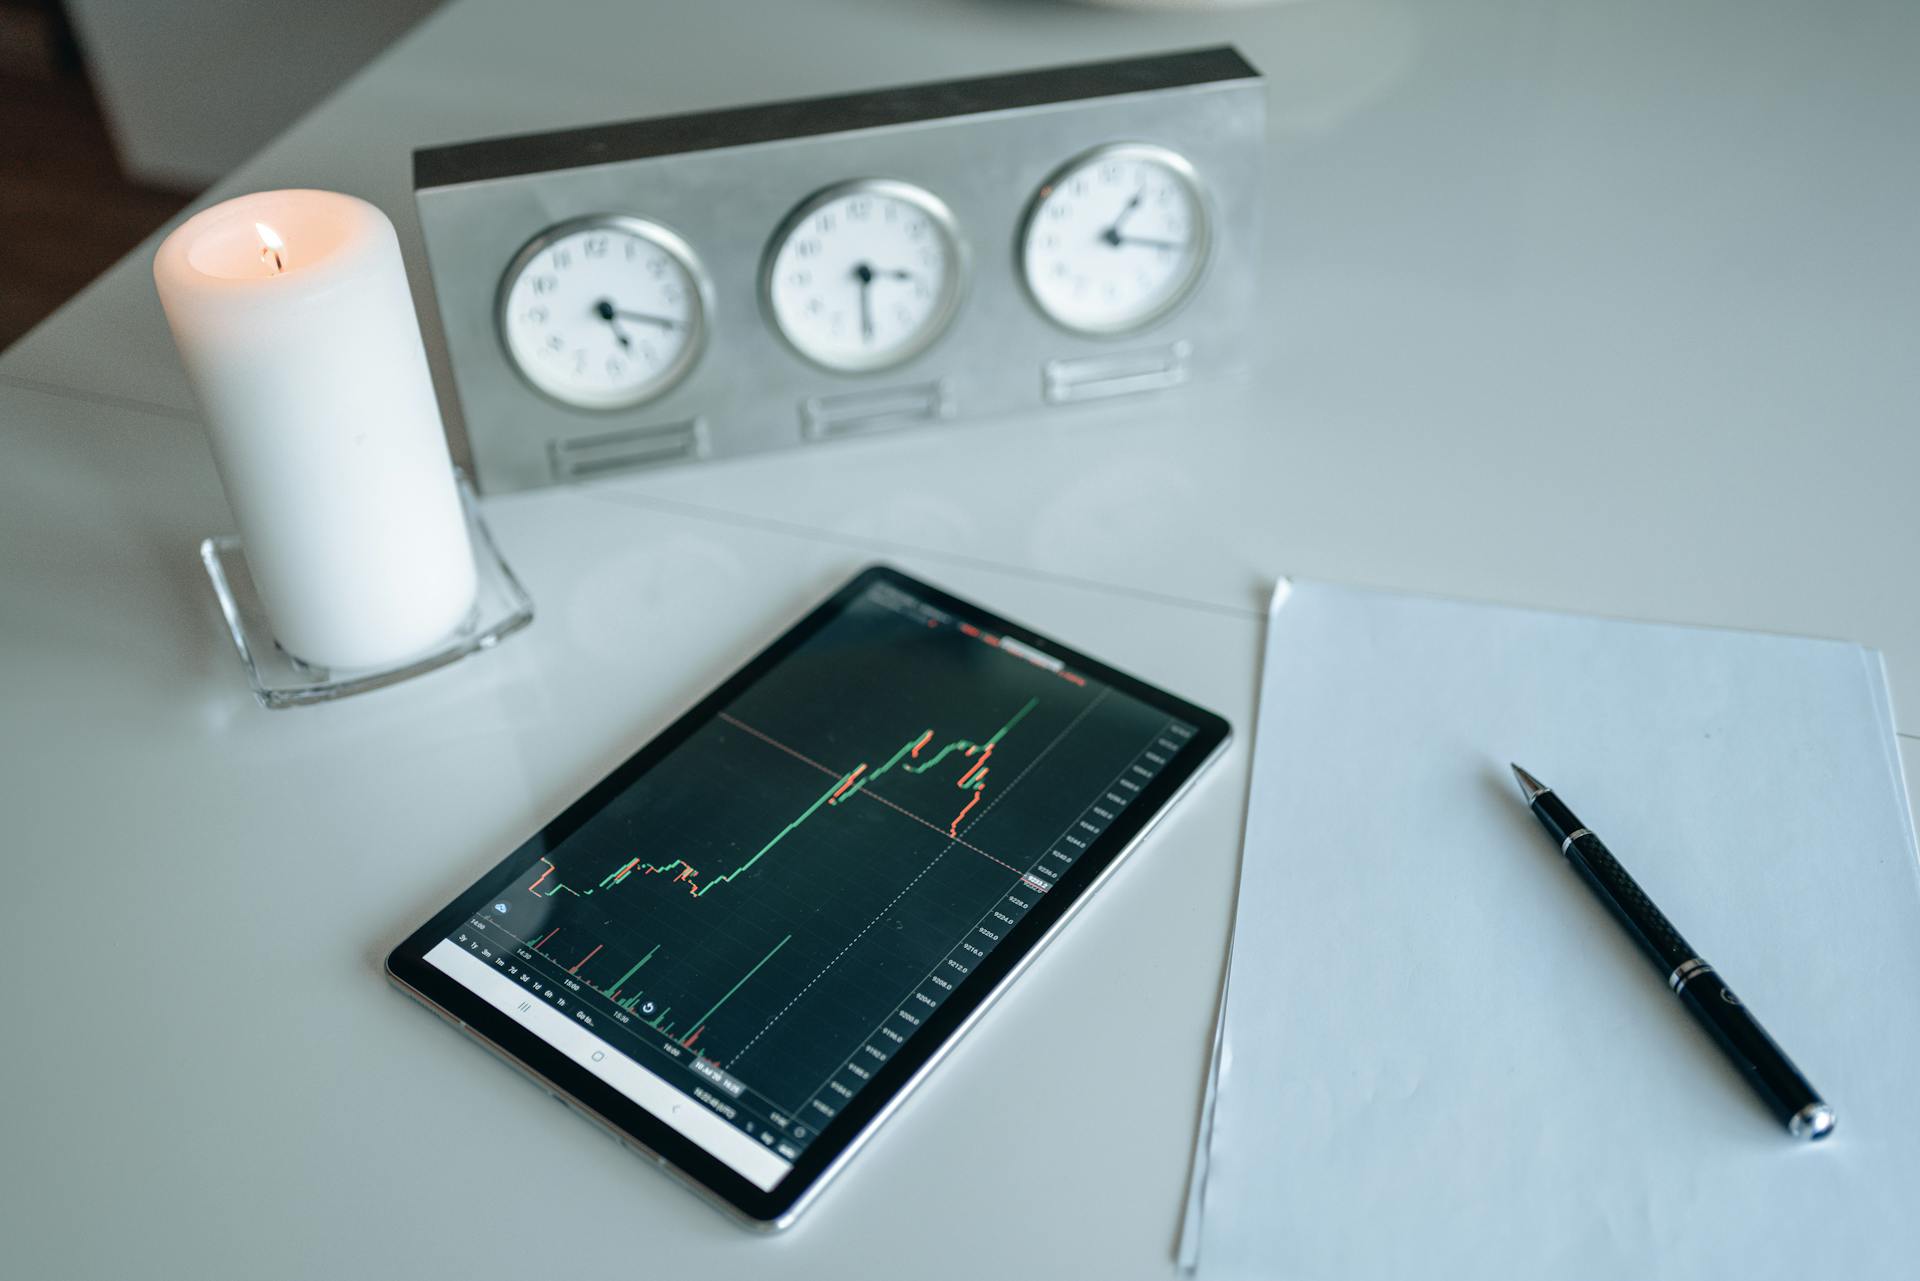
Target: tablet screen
(740,936)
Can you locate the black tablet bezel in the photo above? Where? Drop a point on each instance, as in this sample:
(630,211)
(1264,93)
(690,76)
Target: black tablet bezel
(407,964)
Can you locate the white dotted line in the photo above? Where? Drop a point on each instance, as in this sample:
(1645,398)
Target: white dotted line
(836,958)
(1049,845)
(738,1054)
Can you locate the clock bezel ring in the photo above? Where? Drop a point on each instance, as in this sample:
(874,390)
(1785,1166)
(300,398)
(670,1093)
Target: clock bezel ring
(1184,172)
(661,237)
(946,307)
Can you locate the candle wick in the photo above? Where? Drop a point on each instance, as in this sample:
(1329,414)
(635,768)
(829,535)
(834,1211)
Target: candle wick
(270,247)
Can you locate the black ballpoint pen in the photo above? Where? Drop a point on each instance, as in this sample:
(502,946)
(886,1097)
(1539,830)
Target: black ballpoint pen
(1764,1065)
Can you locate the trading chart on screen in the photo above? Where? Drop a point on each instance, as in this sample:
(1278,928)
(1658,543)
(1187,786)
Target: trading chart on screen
(765,917)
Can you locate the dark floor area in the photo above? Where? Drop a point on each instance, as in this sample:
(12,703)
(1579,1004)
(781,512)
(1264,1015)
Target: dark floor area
(66,212)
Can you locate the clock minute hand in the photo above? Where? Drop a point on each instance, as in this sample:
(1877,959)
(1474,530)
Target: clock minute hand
(647,318)
(864,274)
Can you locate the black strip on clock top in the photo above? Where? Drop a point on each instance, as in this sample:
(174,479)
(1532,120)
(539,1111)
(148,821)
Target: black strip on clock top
(508,157)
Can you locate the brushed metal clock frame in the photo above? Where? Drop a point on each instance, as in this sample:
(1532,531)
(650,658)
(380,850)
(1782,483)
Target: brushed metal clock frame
(728,178)
(952,292)
(1202,235)
(661,237)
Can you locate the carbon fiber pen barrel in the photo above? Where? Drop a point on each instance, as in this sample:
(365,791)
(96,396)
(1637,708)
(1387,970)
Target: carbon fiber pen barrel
(1605,877)
(1760,1061)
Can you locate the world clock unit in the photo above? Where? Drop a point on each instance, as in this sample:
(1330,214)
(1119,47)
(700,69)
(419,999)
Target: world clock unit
(780,276)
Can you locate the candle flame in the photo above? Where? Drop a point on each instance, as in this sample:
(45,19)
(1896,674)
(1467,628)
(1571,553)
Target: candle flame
(271,247)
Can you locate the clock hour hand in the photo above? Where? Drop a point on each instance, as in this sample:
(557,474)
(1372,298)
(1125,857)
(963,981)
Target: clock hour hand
(607,312)
(1112,234)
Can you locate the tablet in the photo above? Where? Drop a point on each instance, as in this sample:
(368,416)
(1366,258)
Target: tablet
(743,947)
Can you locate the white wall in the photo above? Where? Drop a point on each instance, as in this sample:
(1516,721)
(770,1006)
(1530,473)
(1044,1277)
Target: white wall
(193,87)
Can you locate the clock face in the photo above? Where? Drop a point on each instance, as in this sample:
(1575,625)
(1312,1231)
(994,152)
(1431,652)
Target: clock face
(1115,240)
(864,275)
(604,312)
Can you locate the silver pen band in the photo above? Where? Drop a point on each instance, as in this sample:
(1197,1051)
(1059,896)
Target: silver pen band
(1687,971)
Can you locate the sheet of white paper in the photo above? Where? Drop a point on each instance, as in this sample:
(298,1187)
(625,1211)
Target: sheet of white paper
(1441,1057)
(1188,1254)
(1883,700)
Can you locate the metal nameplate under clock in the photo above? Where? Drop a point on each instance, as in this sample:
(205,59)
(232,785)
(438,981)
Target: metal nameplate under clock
(768,277)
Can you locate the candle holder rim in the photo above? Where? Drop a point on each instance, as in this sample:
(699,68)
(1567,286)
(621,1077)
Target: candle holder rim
(279,680)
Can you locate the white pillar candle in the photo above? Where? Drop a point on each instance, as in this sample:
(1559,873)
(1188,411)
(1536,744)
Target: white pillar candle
(292,316)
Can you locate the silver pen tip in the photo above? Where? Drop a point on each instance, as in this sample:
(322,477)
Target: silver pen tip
(1814,1121)
(1530,786)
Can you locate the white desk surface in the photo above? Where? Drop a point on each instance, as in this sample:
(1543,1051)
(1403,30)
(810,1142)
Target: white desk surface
(1608,308)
